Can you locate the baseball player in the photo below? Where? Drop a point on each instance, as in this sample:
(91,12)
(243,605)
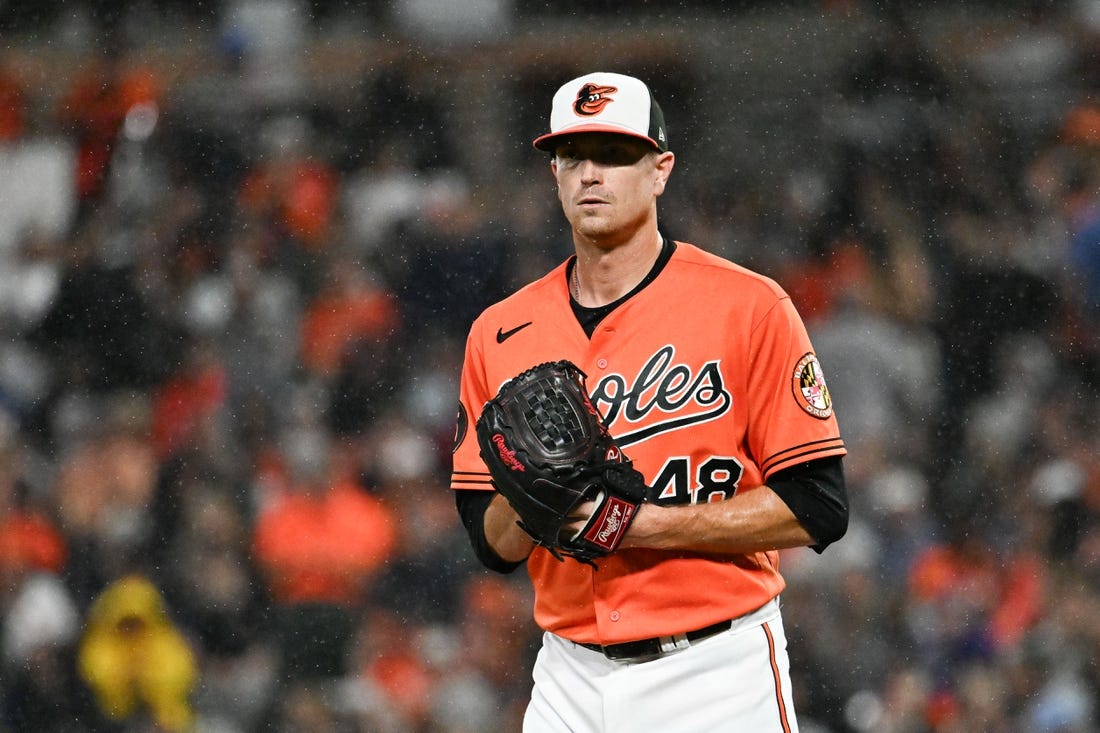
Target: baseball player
(708,381)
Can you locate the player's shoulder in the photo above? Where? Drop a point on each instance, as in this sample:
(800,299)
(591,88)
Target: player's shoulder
(695,262)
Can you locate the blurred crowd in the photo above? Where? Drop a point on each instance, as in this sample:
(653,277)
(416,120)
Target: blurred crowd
(230,338)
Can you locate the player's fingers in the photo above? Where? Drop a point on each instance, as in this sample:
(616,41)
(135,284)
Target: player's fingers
(578,518)
(582,511)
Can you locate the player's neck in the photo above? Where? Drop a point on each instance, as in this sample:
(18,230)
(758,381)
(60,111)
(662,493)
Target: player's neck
(604,274)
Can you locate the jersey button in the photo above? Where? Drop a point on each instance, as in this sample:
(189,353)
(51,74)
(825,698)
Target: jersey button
(614,615)
(601,363)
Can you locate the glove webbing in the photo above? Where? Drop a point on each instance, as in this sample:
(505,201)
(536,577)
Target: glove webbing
(551,426)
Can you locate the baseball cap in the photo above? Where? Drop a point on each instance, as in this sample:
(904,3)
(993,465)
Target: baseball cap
(605,102)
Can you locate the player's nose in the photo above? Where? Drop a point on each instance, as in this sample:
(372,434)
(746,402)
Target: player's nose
(591,172)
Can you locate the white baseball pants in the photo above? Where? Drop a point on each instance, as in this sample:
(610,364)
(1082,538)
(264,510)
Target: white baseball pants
(737,681)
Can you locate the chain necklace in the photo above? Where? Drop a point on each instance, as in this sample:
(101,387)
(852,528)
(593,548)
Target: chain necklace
(575,285)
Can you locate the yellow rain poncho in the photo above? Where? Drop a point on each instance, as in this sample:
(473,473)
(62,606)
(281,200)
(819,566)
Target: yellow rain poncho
(134,660)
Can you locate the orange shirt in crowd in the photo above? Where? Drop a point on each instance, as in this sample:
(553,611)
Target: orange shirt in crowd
(29,542)
(96,105)
(183,402)
(334,322)
(322,549)
(1008,597)
(302,195)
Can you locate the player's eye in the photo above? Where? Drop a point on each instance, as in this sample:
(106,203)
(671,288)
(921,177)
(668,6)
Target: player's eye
(619,155)
(608,155)
(568,157)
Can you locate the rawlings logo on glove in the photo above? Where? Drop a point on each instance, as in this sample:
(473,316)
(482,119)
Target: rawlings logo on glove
(507,455)
(548,452)
(612,523)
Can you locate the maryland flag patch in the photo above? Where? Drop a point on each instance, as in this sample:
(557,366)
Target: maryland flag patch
(809,388)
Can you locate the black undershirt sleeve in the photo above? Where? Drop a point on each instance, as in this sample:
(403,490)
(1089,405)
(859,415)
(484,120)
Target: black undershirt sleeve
(472,505)
(815,493)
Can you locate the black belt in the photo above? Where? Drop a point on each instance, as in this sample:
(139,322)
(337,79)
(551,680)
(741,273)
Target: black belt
(646,649)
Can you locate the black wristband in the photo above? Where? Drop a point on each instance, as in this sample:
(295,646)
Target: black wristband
(472,506)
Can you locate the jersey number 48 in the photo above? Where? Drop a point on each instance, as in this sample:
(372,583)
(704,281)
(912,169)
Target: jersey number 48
(715,479)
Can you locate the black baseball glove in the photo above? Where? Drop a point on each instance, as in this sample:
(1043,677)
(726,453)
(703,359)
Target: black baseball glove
(548,451)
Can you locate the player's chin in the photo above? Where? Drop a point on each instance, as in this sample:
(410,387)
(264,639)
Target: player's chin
(594,224)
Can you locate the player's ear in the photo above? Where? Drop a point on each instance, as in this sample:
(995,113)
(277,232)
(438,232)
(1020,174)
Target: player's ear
(554,169)
(663,169)
(557,179)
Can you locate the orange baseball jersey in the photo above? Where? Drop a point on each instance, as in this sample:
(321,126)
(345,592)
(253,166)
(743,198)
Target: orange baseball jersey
(709,383)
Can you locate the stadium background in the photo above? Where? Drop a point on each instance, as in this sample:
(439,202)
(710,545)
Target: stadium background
(240,243)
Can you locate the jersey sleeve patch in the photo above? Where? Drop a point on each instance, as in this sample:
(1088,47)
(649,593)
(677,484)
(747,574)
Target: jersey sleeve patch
(478,479)
(809,388)
(462,426)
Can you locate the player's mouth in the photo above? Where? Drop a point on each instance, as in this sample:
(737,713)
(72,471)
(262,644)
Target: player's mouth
(592,201)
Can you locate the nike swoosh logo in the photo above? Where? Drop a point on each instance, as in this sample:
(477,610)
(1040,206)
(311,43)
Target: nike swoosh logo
(503,336)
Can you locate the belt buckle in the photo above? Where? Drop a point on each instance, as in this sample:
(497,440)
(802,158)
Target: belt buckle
(657,647)
(671,644)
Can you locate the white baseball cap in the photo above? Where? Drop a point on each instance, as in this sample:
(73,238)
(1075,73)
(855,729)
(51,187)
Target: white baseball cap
(605,102)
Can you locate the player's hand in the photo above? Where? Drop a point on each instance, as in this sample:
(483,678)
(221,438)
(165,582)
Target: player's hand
(505,537)
(578,518)
(545,481)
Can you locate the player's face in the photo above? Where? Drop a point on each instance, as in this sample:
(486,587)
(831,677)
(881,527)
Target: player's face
(608,184)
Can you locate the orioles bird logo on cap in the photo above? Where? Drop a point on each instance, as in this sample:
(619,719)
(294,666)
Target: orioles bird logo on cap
(592,98)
